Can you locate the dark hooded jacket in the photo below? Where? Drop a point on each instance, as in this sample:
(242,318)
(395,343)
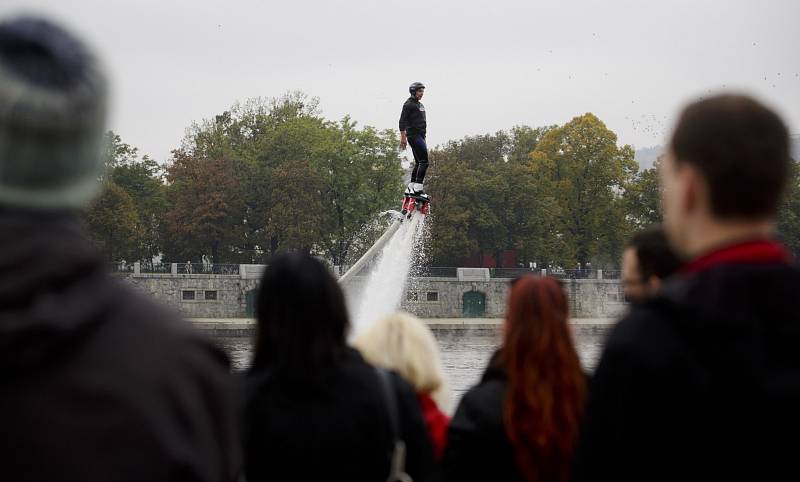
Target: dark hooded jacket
(478,448)
(97,382)
(700,383)
(335,427)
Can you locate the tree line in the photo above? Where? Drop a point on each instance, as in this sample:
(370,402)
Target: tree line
(273,174)
(262,177)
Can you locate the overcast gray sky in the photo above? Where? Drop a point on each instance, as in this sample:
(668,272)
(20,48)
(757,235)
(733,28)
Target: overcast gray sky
(488,65)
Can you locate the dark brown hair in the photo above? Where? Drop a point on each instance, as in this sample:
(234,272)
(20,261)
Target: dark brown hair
(302,320)
(654,254)
(546,385)
(742,151)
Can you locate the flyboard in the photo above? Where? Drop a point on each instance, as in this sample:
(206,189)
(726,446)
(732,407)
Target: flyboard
(419,202)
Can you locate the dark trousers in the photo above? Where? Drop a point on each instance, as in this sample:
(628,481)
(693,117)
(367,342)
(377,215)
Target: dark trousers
(420,150)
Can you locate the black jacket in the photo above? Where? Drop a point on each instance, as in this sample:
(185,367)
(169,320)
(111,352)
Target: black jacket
(337,431)
(96,382)
(701,383)
(478,448)
(412,118)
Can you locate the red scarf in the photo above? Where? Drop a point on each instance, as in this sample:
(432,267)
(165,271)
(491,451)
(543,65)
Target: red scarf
(437,422)
(750,252)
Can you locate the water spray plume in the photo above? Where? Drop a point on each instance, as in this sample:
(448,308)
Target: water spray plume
(386,284)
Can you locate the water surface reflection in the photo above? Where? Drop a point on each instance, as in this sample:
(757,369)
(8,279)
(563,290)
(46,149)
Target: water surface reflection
(464,353)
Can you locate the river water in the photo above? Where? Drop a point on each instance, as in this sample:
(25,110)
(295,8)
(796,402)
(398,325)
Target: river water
(464,353)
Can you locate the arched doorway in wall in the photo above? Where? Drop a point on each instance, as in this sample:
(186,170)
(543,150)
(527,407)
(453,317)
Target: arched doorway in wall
(474,305)
(250,303)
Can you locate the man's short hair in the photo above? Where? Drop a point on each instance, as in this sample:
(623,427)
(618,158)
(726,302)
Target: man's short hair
(742,151)
(654,254)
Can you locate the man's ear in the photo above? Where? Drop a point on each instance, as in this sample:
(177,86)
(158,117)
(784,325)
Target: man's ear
(693,188)
(654,284)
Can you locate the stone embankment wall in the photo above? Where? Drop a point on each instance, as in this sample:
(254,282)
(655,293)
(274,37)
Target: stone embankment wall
(233,296)
(230,299)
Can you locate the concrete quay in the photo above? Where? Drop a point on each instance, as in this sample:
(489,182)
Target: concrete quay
(245,327)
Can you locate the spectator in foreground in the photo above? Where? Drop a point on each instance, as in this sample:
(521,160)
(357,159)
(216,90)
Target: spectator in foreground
(96,382)
(703,381)
(315,410)
(647,261)
(403,343)
(520,423)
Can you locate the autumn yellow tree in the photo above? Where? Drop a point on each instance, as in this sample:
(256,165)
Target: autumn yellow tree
(583,170)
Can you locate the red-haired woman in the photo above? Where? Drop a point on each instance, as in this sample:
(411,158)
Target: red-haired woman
(521,422)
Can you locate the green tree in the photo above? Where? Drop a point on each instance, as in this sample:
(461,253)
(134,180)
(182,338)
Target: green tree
(486,199)
(114,224)
(116,152)
(453,186)
(524,140)
(465,184)
(361,172)
(139,177)
(268,129)
(789,214)
(581,168)
(297,214)
(643,198)
(530,213)
(142,181)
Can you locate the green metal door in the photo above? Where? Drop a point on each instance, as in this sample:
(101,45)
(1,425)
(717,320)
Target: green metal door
(250,303)
(474,304)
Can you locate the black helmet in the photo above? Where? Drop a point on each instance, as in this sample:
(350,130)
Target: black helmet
(412,89)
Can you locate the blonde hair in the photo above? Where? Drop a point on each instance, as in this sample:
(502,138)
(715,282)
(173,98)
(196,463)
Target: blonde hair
(403,343)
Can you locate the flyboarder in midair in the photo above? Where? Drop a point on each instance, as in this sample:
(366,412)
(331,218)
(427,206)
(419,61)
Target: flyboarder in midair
(412,131)
(413,127)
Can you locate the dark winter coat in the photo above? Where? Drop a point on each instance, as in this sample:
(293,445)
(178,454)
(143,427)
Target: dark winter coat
(338,430)
(478,448)
(96,382)
(412,118)
(701,383)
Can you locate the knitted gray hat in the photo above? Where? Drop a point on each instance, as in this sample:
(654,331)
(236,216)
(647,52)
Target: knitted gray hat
(52,117)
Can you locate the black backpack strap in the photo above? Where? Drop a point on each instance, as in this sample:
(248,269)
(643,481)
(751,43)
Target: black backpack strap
(397,470)
(390,401)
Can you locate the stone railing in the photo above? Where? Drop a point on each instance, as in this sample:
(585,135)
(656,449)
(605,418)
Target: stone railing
(248,271)
(139,268)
